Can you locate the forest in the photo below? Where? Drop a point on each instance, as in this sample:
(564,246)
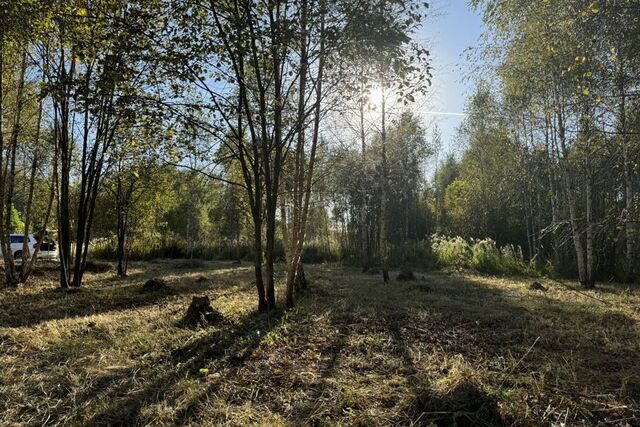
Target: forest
(235,212)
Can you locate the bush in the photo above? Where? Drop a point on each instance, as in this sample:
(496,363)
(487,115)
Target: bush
(483,256)
(486,257)
(451,251)
(513,260)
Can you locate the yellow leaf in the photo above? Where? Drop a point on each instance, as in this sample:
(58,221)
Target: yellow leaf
(585,91)
(82,12)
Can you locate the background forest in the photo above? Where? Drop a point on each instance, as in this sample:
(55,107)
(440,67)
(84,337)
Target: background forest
(126,137)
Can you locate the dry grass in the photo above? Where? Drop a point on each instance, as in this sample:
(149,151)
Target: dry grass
(448,350)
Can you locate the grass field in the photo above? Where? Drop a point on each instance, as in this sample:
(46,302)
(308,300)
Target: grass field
(445,349)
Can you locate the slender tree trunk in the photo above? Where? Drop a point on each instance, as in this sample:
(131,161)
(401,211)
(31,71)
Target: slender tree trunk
(364,254)
(121,234)
(10,172)
(4,236)
(257,247)
(384,249)
(571,199)
(630,224)
(589,282)
(552,190)
(24,273)
(63,150)
(298,178)
(27,271)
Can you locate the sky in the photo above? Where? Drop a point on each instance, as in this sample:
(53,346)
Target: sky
(453,28)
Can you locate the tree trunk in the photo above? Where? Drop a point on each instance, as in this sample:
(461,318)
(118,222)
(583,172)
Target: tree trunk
(4,236)
(364,255)
(384,249)
(589,280)
(63,150)
(10,174)
(571,199)
(630,224)
(26,265)
(257,247)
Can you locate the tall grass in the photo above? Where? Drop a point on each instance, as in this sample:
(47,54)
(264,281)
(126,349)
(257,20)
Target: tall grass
(483,255)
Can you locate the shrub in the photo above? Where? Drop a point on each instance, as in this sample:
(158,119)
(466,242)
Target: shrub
(451,251)
(513,260)
(483,256)
(486,257)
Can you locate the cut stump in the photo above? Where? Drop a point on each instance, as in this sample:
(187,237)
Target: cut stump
(201,313)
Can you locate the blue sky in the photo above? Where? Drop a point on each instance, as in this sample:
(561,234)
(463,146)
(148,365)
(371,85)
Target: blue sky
(452,28)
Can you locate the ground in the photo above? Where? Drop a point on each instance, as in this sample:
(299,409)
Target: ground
(445,349)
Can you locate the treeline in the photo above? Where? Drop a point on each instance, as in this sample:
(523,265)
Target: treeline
(117,117)
(552,146)
(282,131)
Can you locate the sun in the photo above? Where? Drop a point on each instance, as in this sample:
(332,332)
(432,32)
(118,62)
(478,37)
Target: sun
(375,97)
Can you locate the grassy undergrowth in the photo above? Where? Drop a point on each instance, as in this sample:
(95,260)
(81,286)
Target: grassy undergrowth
(445,349)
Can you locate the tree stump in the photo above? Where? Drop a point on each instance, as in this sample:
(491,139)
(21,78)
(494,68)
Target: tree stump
(201,313)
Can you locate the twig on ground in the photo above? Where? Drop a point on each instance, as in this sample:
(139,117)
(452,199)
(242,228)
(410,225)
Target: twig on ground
(519,361)
(581,293)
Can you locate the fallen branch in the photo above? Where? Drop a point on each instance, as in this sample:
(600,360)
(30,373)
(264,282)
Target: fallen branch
(581,293)
(519,361)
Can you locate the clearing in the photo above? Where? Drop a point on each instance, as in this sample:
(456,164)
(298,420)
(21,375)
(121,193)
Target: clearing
(448,349)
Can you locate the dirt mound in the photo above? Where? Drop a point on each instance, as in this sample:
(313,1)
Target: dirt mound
(537,286)
(201,313)
(405,275)
(201,279)
(153,285)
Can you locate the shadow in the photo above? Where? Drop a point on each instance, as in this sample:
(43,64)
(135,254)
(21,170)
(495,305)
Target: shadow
(355,351)
(464,405)
(228,346)
(105,294)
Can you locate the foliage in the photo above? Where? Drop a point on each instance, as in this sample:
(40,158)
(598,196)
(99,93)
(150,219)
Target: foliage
(483,256)
(17,225)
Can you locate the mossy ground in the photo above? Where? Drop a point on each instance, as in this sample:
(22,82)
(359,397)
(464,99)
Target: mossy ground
(448,349)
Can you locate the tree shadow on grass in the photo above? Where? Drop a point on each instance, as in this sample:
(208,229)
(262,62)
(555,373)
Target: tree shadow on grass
(212,357)
(464,405)
(49,303)
(491,328)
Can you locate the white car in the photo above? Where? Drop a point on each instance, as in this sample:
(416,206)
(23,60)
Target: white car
(47,247)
